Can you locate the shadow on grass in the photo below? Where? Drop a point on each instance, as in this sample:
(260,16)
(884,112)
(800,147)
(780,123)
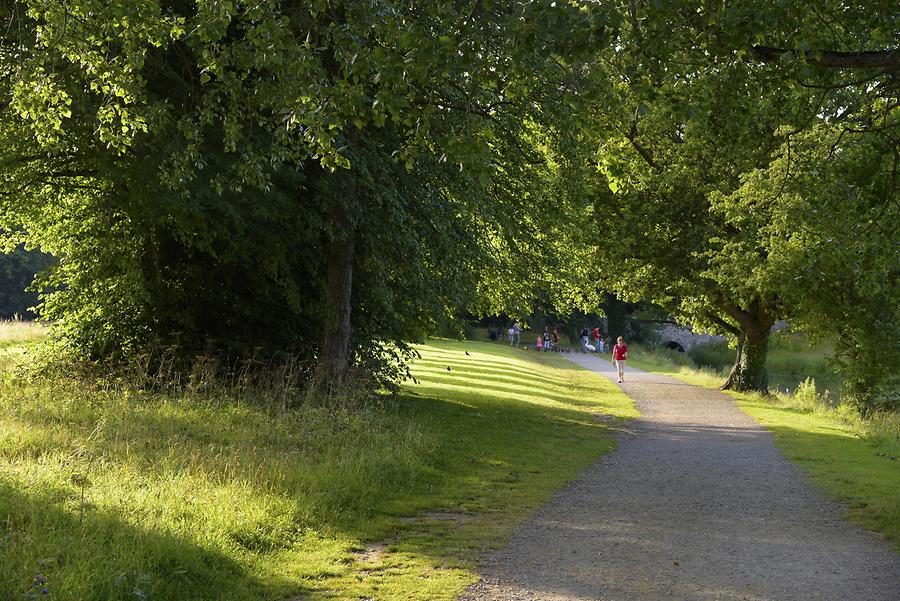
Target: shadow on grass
(502,390)
(513,375)
(106,558)
(479,379)
(496,462)
(451,349)
(484,454)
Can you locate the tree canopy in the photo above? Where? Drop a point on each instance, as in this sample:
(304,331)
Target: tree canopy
(205,171)
(722,155)
(337,178)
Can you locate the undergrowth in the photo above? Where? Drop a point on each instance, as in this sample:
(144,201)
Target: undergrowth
(204,490)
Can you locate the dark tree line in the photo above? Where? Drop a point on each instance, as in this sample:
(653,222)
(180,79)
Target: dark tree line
(17,271)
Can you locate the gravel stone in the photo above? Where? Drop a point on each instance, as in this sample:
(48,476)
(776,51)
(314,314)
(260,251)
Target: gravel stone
(695,504)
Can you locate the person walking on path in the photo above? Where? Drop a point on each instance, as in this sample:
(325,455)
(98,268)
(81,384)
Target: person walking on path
(620,355)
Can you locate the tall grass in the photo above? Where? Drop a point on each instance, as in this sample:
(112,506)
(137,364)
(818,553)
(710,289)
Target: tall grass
(16,337)
(163,495)
(16,332)
(206,489)
(790,361)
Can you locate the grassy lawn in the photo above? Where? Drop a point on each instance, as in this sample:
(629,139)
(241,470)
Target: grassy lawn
(851,458)
(114,494)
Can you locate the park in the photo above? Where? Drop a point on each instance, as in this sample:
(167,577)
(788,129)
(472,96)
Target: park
(478,300)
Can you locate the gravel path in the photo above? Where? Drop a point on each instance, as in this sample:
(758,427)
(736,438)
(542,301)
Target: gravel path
(696,503)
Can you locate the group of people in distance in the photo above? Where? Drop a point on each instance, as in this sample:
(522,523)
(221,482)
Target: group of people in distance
(549,341)
(599,345)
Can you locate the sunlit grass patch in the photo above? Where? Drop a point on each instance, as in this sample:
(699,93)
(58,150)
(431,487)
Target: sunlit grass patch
(16,337)
(124,494)
(17,332)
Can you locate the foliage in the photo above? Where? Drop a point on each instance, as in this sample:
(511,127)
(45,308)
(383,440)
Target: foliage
(806,394)
(835,214)
(207,170)
(695,260)
(710,130)
(218,493)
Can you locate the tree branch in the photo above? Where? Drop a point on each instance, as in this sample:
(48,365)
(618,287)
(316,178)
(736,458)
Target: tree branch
(886,60)
(631,135)
(725,325)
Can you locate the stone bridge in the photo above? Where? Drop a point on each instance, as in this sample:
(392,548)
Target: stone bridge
(683,339)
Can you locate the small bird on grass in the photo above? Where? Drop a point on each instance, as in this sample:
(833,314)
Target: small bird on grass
(467,352)
(448,368)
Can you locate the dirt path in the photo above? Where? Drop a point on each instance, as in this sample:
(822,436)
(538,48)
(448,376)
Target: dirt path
(695,504)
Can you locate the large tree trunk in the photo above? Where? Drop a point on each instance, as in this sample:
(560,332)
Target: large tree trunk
(749,371)
(616,317)
(735,369)
(338,295)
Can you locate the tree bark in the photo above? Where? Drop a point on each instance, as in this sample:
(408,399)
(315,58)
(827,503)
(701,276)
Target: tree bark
(730,380)
(335,358)
(749,371)
(616,317)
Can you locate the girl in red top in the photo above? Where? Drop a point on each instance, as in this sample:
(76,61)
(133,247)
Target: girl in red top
(620,355)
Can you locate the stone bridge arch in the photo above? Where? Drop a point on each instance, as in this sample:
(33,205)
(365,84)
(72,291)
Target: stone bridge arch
(683,339)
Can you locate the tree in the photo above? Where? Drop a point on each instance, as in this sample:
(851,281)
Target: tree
(701,108)
(832,204)
(320,178)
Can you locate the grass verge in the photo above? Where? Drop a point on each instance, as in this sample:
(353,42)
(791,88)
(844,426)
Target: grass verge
(852,458)
(120,494)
